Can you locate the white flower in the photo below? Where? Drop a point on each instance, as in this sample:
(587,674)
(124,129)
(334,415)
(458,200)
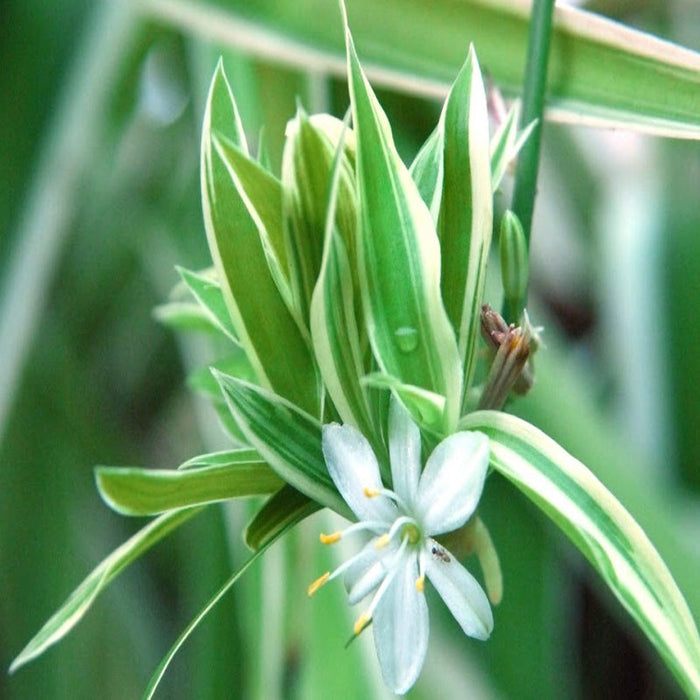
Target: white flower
(394,564)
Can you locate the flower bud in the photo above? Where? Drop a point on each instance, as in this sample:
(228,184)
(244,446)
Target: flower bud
(514,264)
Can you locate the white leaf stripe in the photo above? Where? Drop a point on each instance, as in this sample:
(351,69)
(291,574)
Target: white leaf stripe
(399,257)
(133,491)
(604,531)
(465,220)
(287,438)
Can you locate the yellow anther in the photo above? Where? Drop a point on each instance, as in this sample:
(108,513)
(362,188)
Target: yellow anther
(382,541)
(371,493)
(420,584)
(318,583)
(361,623)
(329,539)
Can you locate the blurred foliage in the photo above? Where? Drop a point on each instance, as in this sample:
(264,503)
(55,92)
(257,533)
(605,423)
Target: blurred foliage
(100,381)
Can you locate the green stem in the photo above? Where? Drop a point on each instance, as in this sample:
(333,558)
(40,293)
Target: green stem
(533,109)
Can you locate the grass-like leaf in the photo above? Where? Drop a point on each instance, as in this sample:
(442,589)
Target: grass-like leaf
(288,439)
(427,171)
(466,207)
(240,455)
(207,291)
(399,259)
(165,662)
(600,72)
(571,496)
(233,226)
(78,603)
(335,331)
(506,143)
(132,491)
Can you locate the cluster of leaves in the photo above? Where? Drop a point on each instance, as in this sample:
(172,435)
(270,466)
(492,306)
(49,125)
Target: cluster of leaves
(351,276)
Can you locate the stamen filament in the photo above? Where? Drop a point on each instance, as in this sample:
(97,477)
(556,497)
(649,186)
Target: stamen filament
(392,495)
(393,570)
(382,541)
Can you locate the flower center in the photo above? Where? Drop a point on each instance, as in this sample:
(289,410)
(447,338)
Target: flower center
(411,533)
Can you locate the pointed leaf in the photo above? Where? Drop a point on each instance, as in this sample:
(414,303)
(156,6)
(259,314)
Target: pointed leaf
(78,603)
(506,143)
(262,194)
(465,221)
(427,171)
(287,438)
(306,170)
(207,291)
(612,541)
(334,328)
(266,329)
(399,259)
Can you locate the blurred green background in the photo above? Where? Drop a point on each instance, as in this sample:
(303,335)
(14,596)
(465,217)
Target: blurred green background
(100,109)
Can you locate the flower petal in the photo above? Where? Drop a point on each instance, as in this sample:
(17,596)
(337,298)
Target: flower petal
(353,467)
(460,590)
(401,628)
(452,481)
(404,452)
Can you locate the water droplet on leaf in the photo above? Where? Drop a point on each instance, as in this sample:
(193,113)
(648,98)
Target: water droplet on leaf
(406,338)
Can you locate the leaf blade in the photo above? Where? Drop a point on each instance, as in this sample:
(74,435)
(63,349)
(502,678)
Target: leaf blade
(132,491)
(241,261)
(80,600)
(399,259)
(604,532)
(287,438)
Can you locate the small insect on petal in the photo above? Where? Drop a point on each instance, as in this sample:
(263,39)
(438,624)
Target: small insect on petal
(440,554)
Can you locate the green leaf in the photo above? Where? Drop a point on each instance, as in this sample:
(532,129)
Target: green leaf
(427,171)
(506,143)
(262,194)
(165,662)
(430,407)
(282,509)
(334,329)
(288,439)
(78,603)
(399,259)
(184,316)
(612,541)
(207,291)
(132,491)
(203,381)
(241,455)
(275,347)
(306,169)
(466,208)
(600,72)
